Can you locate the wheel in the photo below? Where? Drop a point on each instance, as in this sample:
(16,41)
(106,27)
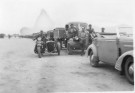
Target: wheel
(58,48)
(129,70)
(39,52)
(69,50)
(93,60)
(35,49)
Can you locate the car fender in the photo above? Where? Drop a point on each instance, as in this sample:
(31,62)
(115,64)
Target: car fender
(93,48)
(118,64)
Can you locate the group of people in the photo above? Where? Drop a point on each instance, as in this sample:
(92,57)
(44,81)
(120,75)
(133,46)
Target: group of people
(84,35)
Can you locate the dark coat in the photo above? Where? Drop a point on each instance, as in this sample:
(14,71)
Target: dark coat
(43,37)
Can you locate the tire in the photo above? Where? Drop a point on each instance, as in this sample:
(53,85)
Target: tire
(35,49)
(69,50)
(129,70)
(39,52)
(93,60)
(58,48)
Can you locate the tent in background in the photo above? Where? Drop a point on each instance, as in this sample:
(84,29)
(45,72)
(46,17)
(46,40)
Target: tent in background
(43,22)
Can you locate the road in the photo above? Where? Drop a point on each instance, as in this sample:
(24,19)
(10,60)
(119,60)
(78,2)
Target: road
(21,71)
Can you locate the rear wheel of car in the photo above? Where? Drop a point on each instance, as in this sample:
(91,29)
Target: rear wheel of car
(93,60)
(69,50)
(129,70)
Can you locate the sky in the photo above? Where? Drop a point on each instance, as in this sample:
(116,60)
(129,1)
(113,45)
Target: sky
(16,14)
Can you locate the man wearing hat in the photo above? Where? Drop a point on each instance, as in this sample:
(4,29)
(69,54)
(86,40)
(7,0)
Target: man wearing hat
(43,38)
(82,36)
(72,31)
(90,30)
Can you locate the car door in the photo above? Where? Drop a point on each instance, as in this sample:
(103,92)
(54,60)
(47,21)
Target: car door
(126,44)
(107,49)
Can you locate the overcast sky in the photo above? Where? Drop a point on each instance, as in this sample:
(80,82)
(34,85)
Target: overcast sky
(15,14)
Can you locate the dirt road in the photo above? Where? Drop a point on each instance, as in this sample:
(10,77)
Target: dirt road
(21,71)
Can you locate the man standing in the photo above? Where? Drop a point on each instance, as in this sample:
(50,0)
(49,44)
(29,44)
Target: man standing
(90,28)
(91,31)
(72,31)
(83,39)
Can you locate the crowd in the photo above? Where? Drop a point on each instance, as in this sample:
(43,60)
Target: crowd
(84,35)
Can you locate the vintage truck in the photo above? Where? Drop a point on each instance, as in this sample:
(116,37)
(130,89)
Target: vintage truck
(60,35)
(50,34)
(116,49)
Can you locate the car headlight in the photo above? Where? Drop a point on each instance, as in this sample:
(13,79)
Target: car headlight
(39,38)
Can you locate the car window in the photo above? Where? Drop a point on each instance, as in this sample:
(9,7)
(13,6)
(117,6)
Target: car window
(119,31)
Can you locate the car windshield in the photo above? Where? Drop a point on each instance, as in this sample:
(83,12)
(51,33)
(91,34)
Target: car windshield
(126,31)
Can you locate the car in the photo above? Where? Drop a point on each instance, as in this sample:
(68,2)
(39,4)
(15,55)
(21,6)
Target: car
(114,48)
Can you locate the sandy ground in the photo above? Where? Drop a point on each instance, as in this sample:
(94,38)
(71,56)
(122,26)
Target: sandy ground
(21,71)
